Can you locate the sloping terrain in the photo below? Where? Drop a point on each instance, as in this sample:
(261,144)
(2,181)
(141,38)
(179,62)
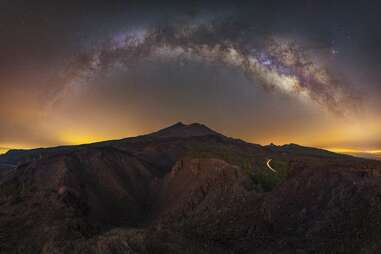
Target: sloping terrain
(188,189)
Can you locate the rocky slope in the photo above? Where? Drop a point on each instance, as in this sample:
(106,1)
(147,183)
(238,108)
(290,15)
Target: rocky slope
(188,189)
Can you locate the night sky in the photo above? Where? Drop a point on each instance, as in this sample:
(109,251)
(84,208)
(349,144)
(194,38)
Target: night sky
(305,72)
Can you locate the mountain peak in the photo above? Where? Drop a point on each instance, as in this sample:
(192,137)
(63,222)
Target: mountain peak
(182,130)
(178,124)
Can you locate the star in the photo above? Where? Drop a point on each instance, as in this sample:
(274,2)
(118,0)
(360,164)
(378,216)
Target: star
(335,51)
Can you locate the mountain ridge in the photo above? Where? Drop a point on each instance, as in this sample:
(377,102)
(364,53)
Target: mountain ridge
(177,130)
(188,189)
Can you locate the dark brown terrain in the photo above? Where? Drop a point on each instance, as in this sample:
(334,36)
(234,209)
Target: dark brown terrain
(188,189)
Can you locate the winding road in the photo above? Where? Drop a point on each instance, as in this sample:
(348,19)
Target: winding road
(269,166)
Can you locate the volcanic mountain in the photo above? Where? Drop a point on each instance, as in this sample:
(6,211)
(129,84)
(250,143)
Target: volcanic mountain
(188,189)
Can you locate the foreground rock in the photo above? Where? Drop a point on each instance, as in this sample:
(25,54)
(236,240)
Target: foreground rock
(190,191)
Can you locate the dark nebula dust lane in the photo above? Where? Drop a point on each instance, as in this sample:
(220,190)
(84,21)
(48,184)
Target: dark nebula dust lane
(271,61)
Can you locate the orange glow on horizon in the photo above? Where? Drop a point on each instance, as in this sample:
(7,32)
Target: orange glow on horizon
(71,139)
(6,147)
(349,150)
(366,153)
(3,150)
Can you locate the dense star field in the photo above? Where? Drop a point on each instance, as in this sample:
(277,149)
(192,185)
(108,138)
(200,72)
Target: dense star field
(265,71)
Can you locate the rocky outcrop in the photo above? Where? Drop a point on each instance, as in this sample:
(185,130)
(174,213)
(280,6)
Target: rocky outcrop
(190,194)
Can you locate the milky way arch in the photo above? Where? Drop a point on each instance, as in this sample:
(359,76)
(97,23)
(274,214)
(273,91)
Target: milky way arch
(274,62)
